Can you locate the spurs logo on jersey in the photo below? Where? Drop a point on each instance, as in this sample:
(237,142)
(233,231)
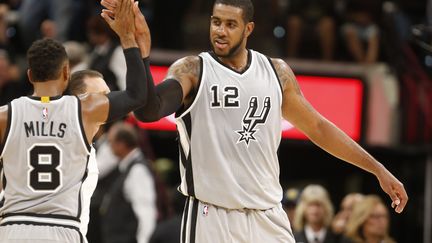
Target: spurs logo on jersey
(251,119)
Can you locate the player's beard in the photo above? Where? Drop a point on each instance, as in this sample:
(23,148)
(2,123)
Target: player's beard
(231,51)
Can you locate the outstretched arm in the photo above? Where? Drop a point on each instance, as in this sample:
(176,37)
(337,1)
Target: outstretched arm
(297,110)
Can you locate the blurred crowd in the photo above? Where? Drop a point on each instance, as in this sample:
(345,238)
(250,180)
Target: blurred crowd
(360,219)
(131,179)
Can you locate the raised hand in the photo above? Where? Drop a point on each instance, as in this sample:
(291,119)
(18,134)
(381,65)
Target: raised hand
(142,32)
(395,189)
(121,20)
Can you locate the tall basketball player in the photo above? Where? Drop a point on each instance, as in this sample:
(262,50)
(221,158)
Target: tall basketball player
(45,140)
(229,105)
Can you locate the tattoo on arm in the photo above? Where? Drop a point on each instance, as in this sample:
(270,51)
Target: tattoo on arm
(185,68)
(286,75)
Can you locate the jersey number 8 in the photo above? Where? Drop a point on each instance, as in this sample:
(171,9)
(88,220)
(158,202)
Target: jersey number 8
(44,174)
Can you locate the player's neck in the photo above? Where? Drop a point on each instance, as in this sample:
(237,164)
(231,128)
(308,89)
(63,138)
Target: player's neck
(48,88)
(237,61)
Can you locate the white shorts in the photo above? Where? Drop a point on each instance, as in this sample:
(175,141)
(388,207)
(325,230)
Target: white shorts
(205,223)
(21,233)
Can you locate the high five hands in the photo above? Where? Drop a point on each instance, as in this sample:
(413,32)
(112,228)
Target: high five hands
(141,31)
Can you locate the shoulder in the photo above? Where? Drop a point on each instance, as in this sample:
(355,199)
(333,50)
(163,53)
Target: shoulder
(94,107)
(190,65)
(284,73)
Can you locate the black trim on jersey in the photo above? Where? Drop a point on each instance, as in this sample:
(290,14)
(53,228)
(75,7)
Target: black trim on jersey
(79,193)
(8,127)
(185,219)
(249,61)
(83,133)
(277,76)
(3,178)
(194,220)
(46,224)
(183,109)
(187,163)
(187,119)
(38,215)
(40,98)
(4,181)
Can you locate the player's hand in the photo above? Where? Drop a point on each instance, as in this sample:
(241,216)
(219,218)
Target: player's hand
(142,32)
(109,4)
(123,22)
(395,189)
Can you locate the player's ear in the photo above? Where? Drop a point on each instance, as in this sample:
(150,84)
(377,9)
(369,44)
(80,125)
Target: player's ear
(29,75)
(250,26)
(66,71)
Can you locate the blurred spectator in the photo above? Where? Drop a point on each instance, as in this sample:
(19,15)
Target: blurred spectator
(311,16)
(77,55)
(341,218)
(10,86)
(129,209)
(107,55)
(313,216)
(34,12)
(369,222)
(429,13)
(361,31)
(168,231)
(289,202)
(167,27)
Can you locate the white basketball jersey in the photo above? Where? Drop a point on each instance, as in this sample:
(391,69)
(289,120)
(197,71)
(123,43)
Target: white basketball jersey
(230,135)
(45,162)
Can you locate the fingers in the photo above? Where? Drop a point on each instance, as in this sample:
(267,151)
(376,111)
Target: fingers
(109,13)
(107,18)
(403,197)
(109,4)
(137,12)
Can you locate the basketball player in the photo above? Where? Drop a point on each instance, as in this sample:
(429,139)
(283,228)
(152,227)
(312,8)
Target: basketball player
(45,140)
(229,105)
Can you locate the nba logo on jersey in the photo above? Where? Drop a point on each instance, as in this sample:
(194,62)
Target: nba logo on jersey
(45,113)
(205,210)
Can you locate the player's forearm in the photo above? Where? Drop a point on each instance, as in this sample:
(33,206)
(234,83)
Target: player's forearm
(336,142)
(135,95)
(162,101)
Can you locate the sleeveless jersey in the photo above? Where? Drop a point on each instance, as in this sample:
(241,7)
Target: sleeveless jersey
(45,162)
(229,136)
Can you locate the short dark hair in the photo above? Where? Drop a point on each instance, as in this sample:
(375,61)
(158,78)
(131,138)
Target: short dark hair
(245,5)
(127,136)
(76,84)
(45,59)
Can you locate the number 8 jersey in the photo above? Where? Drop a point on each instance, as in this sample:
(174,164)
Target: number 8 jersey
(230,135)
(45,158)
